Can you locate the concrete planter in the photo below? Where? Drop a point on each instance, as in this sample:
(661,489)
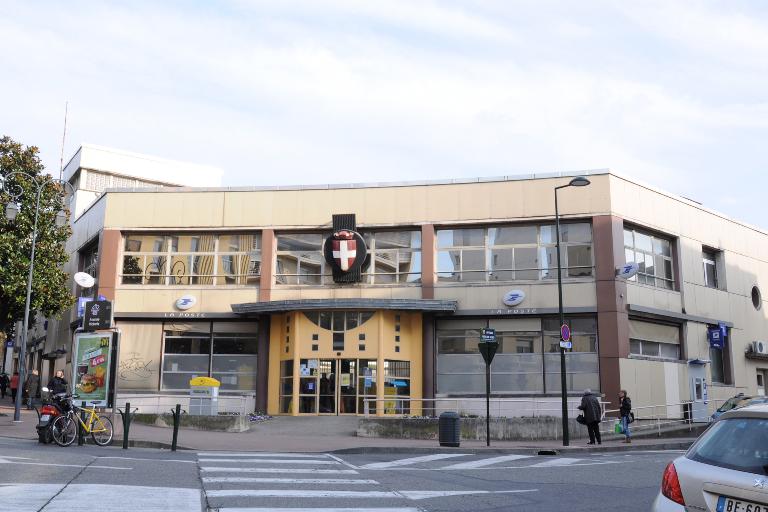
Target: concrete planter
(502,429)
(211,423)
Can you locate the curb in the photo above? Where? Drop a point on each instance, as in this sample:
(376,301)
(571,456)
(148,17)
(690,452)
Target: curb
(532,450)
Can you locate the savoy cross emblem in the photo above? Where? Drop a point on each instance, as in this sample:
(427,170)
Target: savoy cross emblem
(344,249)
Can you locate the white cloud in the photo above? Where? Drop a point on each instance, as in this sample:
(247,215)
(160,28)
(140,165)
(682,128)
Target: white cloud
(306,92)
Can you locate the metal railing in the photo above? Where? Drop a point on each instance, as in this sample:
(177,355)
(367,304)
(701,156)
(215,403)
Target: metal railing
(656,417)
(152,403)
(500,407)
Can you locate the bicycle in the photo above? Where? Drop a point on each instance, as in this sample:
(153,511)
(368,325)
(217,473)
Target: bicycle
(65,427)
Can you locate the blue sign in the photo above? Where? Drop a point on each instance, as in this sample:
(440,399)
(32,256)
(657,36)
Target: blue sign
(81,305)
(565,332)
(488,335)
(716,336)
(368,382)
(9,343)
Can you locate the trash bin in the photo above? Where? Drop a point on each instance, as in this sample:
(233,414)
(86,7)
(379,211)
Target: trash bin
(449,429)
(204,396)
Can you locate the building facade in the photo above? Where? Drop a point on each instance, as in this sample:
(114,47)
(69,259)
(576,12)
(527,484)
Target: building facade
(247,285)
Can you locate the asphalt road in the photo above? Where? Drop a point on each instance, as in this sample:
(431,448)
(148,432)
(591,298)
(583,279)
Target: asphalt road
(50,478)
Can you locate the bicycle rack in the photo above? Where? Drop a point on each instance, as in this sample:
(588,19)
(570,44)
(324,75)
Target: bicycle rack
(127,417)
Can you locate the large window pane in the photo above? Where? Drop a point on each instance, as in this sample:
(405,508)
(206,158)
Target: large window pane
(513,235)
(575,232)
(299,242)
(579,260)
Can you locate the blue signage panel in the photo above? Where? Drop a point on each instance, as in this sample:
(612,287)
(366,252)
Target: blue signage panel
(716,336)
(9,343)
(488,335)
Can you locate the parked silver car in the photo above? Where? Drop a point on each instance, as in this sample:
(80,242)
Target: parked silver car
(726,470)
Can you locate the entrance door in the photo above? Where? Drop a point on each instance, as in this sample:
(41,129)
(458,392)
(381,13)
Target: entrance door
(762,375)
(336,389)
(699,393)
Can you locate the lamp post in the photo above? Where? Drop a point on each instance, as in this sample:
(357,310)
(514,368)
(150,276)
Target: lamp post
(579,181)
(12,209)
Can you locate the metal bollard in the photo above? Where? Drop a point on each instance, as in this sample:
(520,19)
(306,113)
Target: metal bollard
(127,416)
(176,422)
(80,430)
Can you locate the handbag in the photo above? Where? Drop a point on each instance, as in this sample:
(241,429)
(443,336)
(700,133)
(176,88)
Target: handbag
(580,419)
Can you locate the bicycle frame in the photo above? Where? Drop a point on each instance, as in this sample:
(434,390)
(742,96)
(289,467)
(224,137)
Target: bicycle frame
(91,419)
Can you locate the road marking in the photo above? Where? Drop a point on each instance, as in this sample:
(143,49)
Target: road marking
(411,460)
(423,495)
(271,509)
(152,460)
(278,470)
(273,461)
(4,461)
(290,493)
(330,481)
(560,461)
(82,497)
(486,462)
(262,454)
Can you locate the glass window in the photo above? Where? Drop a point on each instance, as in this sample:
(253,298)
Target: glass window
(717,365)
(192,259)
(653,256)
(709,260)
(736,443)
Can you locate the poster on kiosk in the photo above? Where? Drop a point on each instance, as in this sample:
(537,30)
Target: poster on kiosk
(90,367)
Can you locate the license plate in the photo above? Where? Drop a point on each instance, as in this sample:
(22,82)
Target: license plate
(726,504)
(45,417)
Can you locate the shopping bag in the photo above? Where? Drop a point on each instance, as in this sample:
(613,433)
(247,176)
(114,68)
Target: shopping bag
(617,427)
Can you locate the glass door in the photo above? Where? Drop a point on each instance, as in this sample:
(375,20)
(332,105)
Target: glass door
(347,391)
(327,386)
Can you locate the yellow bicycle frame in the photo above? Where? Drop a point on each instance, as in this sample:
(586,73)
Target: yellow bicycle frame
(90,420)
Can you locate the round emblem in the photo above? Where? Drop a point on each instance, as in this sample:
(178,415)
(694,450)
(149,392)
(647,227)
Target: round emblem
(186,302)
(513,298)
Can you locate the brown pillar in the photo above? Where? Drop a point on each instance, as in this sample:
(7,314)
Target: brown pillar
(428,266)
(262,364)
(612,317)
(109,252)
(268,248)
(428,362)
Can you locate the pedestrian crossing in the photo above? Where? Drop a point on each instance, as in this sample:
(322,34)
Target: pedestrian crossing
(261,482)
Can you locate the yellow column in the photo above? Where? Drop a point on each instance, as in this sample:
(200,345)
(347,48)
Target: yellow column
(380,367)
(294,336)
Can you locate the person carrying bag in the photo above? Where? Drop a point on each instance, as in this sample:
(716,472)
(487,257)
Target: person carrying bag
(625,412)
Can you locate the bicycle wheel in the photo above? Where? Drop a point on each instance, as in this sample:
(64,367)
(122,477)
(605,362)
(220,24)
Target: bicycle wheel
(64,430)
(101,430)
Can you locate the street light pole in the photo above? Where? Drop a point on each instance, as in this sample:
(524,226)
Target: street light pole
(11,213)
(575,182)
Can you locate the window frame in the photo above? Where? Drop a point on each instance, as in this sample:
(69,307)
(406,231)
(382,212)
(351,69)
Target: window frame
(544,246)
(178,268)
(643,277)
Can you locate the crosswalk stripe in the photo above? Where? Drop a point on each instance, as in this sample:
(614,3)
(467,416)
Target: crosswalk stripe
(264,454)
(561,461)
(486,462)
(423,495)
(273,461)
(272,509)
(220,469)
(289,493)
(329,481)
(411,460)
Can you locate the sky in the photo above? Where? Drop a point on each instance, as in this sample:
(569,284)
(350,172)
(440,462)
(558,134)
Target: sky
(284,92)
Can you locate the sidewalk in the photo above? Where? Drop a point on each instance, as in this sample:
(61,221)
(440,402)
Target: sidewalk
(323,434)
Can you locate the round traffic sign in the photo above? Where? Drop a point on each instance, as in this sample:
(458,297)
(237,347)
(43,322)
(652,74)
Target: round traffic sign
(565,332)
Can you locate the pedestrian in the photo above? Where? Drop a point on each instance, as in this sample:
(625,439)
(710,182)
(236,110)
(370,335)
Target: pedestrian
(592,415)
(14,385)
(32,388)
(58,384)
(624,410)
(4,381)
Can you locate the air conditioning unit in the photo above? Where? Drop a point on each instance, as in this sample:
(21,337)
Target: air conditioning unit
(760,347)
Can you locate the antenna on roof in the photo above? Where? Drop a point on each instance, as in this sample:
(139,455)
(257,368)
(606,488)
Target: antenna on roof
(63,138)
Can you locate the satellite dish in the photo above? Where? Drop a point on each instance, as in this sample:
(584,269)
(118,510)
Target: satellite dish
(84,280)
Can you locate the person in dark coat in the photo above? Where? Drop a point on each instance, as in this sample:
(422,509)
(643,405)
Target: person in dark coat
(4,381)
(624,409)
(32,388)
(590,405)
(58,384)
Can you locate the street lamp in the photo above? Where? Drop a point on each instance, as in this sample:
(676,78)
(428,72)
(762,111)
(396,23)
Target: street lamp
(12,209)
(579,181)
